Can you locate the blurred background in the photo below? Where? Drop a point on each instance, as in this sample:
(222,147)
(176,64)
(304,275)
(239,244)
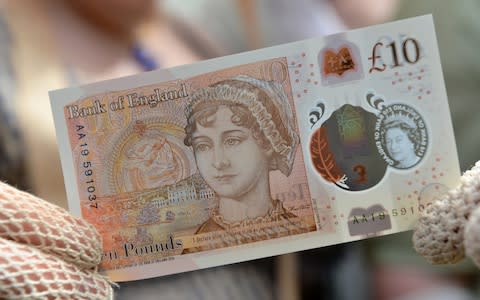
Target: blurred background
(50,44)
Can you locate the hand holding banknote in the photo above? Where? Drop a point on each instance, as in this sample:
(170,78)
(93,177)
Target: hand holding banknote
(450,227)
(47,253)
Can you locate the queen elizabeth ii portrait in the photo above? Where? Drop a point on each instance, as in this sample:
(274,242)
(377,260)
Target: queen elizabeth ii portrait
(402,141)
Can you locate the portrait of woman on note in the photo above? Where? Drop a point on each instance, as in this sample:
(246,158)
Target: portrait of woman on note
(402,141)
(240,129)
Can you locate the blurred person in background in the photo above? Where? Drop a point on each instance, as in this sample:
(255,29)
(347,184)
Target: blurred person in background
(241,25)
(49,44)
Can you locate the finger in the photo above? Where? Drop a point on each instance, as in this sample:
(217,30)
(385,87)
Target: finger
(439,233)
(472,236)
(433,236)
(29,220)
(28,273)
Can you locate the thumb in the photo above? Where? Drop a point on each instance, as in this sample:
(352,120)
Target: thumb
(28,273)
(32,221)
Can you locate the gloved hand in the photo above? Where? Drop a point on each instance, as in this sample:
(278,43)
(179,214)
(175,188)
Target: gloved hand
(450,227)
(45,253)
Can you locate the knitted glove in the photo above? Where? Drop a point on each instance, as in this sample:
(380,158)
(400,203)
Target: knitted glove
(450,227)
(45,253)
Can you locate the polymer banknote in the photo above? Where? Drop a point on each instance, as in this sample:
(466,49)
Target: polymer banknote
(302,145)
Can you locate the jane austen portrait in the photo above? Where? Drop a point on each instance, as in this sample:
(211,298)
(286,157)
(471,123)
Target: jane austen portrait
(240,129)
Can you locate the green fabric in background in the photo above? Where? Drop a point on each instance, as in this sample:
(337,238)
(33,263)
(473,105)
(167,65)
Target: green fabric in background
(457,25)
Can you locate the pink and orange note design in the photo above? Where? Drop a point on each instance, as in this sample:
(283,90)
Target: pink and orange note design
(249,156)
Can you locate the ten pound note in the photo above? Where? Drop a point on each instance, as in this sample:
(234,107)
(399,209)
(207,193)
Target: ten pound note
(298,146)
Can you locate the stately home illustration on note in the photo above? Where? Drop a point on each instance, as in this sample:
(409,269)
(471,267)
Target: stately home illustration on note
(160,203)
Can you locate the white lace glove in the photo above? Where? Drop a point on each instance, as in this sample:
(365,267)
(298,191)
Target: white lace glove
(450,227)
(45,253)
